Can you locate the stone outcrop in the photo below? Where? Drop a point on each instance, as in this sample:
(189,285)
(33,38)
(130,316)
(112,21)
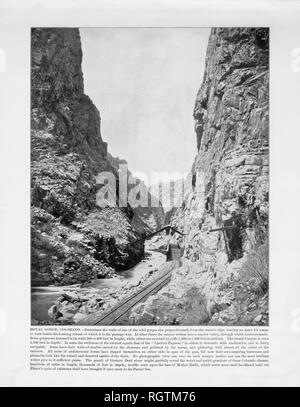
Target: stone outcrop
(63,117)
(73,240)
(230,171)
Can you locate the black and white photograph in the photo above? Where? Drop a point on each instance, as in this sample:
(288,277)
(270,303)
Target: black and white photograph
(149,172)
(150,176)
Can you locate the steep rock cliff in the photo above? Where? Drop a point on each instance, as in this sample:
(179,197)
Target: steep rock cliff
(224,278)
(230,172)
(72,239)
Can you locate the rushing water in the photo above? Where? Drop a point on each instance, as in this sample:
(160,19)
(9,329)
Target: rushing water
(42,298)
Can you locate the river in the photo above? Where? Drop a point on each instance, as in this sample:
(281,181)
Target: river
(42,298)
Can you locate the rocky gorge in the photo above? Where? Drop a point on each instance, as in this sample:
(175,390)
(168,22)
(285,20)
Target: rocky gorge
(73,240)
(225,276)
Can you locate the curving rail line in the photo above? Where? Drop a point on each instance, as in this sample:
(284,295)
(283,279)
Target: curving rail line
(113,315)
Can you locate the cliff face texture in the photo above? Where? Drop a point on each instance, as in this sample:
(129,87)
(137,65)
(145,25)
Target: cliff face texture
(225,277)
(230,172)
(146,219)
(72,239)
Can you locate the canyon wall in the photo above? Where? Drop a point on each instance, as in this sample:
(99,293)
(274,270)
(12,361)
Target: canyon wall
(73,240)
(146,218)
(224,278)
(231,169)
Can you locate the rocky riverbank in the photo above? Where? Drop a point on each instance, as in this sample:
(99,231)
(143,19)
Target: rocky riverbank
(76,302)
(224,295)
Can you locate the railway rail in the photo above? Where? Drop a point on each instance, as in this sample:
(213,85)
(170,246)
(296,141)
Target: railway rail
(118,311)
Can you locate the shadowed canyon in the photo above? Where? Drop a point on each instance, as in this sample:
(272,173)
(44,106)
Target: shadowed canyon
(88,260)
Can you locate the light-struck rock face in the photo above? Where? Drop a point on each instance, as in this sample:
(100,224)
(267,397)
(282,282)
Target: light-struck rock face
(58,102)
(224,278)
(230,172)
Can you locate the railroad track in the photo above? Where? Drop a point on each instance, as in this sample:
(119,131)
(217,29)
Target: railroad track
(113,315)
